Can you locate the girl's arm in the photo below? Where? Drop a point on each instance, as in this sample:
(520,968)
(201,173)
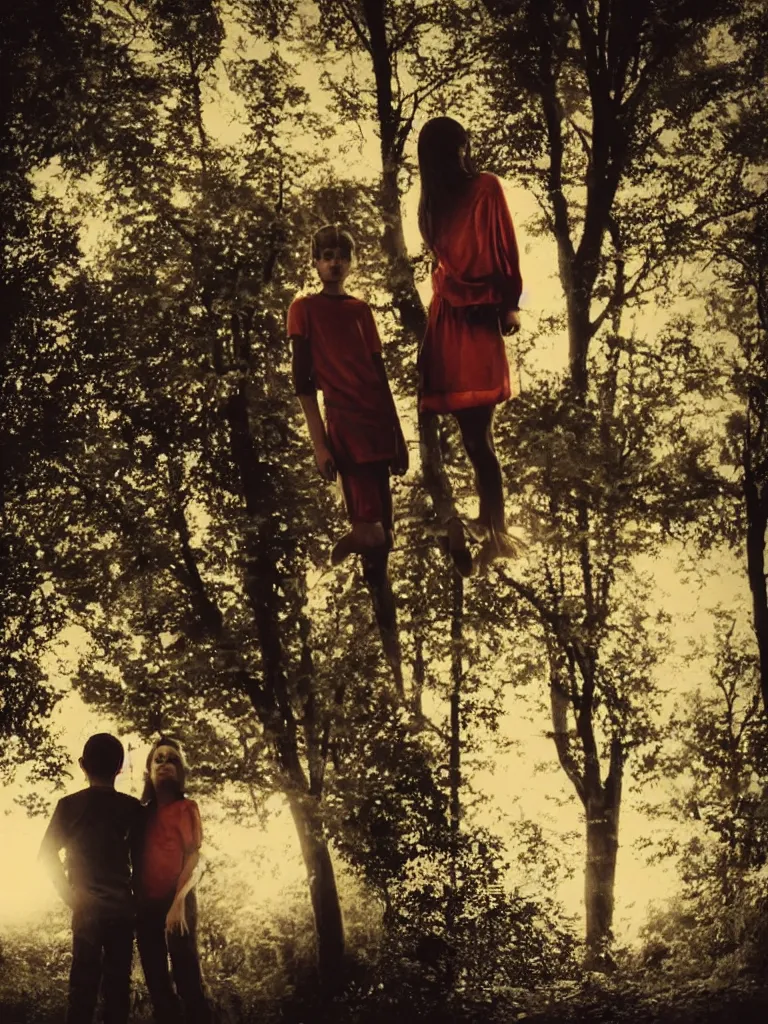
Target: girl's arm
(192,839)
(510,321)
(188,879)
(507,259)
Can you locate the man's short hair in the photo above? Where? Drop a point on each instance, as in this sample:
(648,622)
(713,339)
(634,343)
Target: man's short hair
(330,236)
(103,755)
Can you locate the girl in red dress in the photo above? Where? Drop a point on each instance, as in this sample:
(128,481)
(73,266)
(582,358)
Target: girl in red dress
(167,919)
(476,283)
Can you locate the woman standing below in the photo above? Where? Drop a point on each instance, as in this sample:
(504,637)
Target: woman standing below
(476,283)
(167,919)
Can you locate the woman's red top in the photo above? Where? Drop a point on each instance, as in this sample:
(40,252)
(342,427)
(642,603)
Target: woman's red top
(463,360)
(174,831)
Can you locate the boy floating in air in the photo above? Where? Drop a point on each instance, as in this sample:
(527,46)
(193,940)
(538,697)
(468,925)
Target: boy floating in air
(100,831)
(336,348)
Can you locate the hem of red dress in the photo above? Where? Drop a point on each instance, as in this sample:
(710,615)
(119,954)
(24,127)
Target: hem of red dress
(454,401)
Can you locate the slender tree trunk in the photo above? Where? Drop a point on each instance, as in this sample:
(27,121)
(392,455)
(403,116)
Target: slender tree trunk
(413,317)
(453,901)
(454,756)
(602,803)
(272,702)
(401,278)
(329,926)
(757,521)
(579,336)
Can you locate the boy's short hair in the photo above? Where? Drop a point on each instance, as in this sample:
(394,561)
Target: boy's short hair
(103,755)
(330,236)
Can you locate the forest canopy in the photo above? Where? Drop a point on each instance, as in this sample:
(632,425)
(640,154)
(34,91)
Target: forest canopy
(164,166)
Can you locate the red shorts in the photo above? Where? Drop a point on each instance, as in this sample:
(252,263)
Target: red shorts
(367,494)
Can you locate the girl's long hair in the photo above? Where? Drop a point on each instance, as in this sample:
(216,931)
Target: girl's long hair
(445,173)
(149,796)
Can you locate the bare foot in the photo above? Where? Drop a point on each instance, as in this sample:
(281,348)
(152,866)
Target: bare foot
(500,544)
(457,548)
(343,548)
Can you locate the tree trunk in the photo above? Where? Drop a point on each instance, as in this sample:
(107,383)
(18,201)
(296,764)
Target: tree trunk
(757,520)
(272,701)
(579,336)
(600,877)
(329,926)
(454,755)
(414,319)
(602,803)
(401,278)
(602,807)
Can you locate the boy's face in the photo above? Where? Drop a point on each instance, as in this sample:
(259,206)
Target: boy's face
(332,265)
(166,765)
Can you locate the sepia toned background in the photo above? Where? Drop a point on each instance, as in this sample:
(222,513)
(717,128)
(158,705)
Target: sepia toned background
(571,793)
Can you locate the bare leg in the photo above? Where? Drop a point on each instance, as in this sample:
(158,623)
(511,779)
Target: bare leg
(362,538)
(477,434)
(476,427)
(376,576)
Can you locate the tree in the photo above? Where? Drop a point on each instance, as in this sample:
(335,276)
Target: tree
(197,520)
(731,254)
(589,103)
(712,773)
(44,55)
(742,258)
(168,382)
(407,61)
(739,304)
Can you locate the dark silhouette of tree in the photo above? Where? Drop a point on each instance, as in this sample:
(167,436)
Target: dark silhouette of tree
(739,304)
(402,69)
(48,55)
(38,249)
(602,112)
(198,518)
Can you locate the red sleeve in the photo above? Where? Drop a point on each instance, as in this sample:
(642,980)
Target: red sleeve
(504,245)
(190,827)
(298,322)
(371,331)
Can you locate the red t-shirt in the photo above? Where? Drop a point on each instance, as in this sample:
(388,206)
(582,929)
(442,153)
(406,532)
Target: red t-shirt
(343,339)
(173,832)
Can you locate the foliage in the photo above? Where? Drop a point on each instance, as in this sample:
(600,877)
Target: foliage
(160,494)
(39,254)
(714,770)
